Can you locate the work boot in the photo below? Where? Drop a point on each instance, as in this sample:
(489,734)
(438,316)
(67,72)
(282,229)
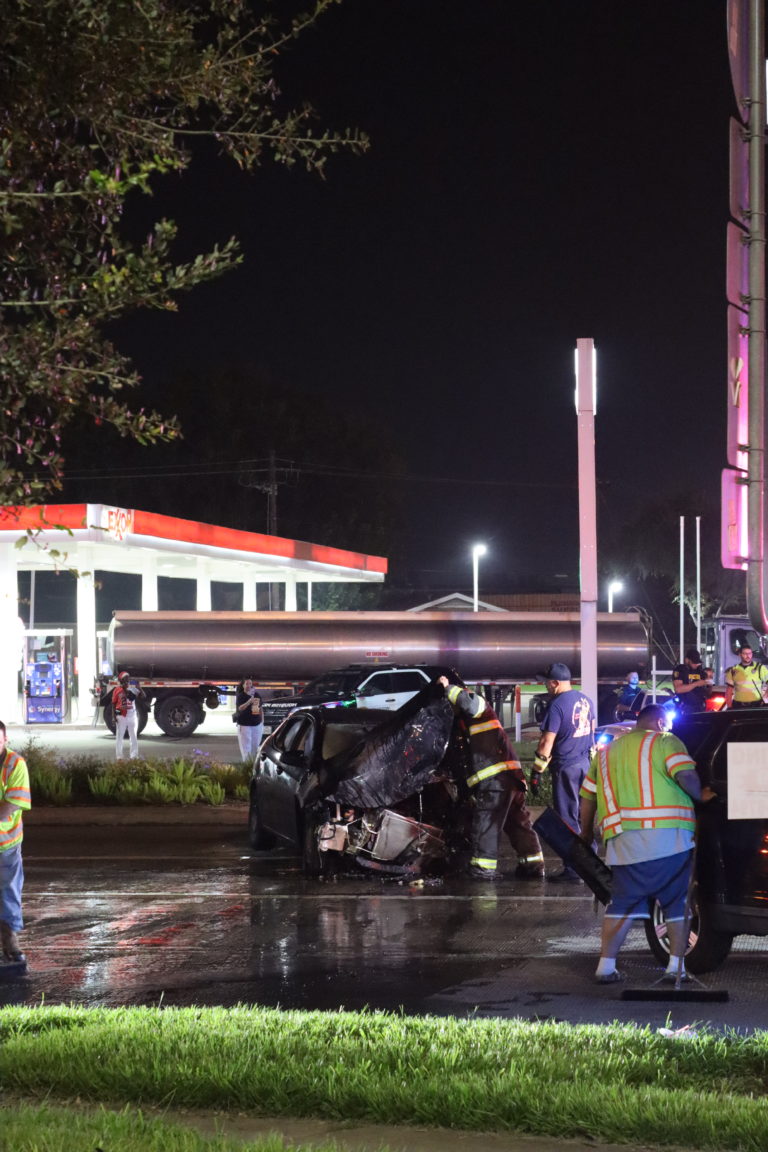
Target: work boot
(9,942)
(530,872)
(488,874)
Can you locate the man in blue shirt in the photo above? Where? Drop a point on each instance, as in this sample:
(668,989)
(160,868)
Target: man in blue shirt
(567,737)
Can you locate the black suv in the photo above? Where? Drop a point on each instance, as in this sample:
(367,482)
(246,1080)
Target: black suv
(732,837)
(358,685)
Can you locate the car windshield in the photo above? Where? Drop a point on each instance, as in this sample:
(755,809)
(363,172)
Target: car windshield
(331,685)
(341,737)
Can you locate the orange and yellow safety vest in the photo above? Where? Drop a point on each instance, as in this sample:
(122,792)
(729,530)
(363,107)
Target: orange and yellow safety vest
(633,781)
(14,789)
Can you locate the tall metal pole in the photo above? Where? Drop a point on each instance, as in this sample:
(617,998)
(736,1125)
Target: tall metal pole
(586,404)
(756,592)
(682,587)
(698,583)
(478,550)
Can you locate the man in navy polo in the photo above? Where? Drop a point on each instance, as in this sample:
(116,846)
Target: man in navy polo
(567,737)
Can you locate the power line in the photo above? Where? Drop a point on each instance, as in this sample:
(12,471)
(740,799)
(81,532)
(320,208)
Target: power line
(222,468)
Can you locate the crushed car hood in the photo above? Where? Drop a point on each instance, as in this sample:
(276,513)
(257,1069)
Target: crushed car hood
(399,757)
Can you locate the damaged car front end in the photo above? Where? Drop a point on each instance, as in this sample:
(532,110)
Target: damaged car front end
(378,791)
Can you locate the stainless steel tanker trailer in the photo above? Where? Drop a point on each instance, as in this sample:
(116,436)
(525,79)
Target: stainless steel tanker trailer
(185,660)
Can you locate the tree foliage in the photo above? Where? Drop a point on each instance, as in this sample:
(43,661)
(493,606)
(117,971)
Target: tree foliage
(97,102)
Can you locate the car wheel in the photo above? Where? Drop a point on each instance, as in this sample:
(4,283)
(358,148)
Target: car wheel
(540,709)
(177,716)
(257,837)
(707,947)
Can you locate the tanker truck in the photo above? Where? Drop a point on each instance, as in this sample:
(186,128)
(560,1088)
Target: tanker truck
(186,661)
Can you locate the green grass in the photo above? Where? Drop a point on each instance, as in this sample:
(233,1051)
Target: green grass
(51,1129)
(616,1083)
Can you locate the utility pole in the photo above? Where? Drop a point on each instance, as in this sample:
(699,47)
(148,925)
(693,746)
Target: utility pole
(265,477)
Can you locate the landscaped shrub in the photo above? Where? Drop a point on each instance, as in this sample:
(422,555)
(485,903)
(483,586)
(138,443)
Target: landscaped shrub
(102,787)
(211,791)
(229,776)
(50,786)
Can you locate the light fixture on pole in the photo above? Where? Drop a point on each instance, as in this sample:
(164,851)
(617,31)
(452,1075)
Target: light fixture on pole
(478,550)
(614,586)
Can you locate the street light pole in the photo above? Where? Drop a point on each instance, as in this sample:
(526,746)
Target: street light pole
(478,550)
(614,586)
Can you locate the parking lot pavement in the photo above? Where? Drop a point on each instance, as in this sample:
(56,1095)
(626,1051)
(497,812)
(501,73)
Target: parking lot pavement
(216,739)
(134,914)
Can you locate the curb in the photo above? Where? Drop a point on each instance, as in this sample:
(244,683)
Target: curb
(231,815)
(223,815)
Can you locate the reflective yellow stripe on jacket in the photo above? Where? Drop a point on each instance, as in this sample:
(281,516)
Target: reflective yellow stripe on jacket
(486,727)
(492,770)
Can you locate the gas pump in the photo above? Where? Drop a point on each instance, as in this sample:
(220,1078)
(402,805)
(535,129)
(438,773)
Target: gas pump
(47,675)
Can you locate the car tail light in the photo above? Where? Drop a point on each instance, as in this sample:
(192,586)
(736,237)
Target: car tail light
(714,703)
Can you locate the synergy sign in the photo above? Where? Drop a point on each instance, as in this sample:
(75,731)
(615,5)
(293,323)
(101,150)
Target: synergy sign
(117,522)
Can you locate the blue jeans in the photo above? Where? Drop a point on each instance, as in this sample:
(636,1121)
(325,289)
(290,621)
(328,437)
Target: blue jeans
(566,782)
(11,884)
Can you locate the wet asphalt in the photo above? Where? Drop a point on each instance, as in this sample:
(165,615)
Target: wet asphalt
(146,914)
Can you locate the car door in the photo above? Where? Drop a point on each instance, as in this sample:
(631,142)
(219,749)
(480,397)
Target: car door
(742,841)
(283,766)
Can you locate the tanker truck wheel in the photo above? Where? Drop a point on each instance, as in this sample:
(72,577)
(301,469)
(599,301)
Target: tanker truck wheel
(109,717)
(177,715)
(143,717)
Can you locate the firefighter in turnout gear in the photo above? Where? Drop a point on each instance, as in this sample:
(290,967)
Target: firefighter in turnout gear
(498,787)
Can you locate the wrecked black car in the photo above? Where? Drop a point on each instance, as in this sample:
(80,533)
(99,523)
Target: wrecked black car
(380,791)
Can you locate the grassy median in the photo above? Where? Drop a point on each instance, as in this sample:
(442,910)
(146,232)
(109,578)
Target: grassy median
(617,1083)
(54,1129)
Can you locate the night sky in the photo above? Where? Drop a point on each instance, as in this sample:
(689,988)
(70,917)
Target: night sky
(539,172)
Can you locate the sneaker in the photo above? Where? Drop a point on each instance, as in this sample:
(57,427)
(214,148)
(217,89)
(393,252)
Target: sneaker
(530,872)
(671,978)
(614,977)
(486,874)
(9,942)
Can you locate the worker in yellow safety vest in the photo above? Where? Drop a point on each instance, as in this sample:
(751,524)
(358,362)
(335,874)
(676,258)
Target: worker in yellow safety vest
(498,788)
(746,683)
(642,787)
(14,799)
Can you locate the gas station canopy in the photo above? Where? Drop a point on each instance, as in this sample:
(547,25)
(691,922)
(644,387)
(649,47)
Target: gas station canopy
(98,537)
